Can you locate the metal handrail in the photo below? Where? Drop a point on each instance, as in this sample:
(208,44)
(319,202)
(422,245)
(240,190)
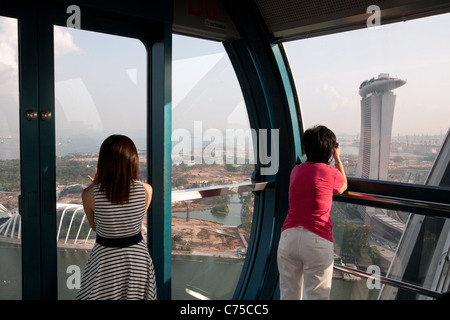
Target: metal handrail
(419,206)
(390,281)
(420,199)
(403,204)
(220,190)
(368,199)
(402,201)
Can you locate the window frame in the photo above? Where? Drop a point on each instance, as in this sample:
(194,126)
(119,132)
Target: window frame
(36,79)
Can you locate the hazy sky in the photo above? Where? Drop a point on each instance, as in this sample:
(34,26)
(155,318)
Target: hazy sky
(109,74)
(328,71)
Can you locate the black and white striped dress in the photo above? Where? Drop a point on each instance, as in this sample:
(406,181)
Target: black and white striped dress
(119,273)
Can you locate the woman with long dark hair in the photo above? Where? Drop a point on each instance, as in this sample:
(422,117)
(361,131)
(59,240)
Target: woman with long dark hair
(119,266)
(305,250)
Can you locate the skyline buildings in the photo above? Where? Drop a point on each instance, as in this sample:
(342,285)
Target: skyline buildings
(377,114)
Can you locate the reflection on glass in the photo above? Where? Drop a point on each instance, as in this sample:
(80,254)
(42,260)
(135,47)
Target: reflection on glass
(211,145)
(363,237)
(209,237)
(211,137)
(393,125)
(100,89)
(10,222)
(371,91)
(389,243)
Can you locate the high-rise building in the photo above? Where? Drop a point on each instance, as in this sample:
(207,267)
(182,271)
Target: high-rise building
(377,113)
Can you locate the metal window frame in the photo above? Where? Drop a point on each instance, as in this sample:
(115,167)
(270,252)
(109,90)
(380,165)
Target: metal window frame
(428,208)
(263,72)
(270,99)
(36,89)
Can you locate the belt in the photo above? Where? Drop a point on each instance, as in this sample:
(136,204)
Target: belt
(118,242)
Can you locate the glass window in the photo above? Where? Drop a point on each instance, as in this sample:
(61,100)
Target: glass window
(209,237)
(211,145)
(369,247)
(384,92)
(10,222)
(389,243)
(100,89)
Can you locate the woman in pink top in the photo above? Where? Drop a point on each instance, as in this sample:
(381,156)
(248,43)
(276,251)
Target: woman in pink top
(305,250)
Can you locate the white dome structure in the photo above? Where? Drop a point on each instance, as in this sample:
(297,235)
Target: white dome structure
(72,226)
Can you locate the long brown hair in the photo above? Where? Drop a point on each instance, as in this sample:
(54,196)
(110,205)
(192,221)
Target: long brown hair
(117,168)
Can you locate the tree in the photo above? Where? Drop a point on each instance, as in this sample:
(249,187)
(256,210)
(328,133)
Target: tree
(203,234)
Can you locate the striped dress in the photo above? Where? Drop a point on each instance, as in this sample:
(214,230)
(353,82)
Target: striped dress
(119,273)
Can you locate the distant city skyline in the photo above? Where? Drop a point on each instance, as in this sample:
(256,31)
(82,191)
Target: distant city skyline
(326,69)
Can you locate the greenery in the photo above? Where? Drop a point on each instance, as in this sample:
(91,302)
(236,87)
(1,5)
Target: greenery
(220,209)
(186,175)
(246,213)
(179,244)
(203,234)
(70,171)
(353,240)
(366,82)
(10,175)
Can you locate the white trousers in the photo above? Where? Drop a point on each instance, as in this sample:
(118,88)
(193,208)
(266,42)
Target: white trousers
(305,263)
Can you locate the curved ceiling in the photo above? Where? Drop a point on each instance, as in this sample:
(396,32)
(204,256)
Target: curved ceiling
(295,19)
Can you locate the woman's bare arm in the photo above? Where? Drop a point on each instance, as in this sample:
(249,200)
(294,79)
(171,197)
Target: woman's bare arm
(148,195)
(89,204)
(340,166)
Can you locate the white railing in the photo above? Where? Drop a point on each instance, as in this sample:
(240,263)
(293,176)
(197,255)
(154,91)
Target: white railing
(8,228)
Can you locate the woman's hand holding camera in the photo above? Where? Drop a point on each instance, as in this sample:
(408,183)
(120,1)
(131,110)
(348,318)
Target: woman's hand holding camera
(337,153)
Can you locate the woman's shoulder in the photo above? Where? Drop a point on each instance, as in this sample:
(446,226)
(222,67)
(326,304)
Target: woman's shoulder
(309,165)
(88,192)
(315,167)
(148,194)
(88,189)
(147,187)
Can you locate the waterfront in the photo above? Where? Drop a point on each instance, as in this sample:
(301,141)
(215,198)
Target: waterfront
(196,270)
(194,273)
(190,274)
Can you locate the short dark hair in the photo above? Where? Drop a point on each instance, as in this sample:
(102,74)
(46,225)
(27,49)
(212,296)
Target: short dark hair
(319,143)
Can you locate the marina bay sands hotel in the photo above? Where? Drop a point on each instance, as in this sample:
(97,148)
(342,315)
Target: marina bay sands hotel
(377,113)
